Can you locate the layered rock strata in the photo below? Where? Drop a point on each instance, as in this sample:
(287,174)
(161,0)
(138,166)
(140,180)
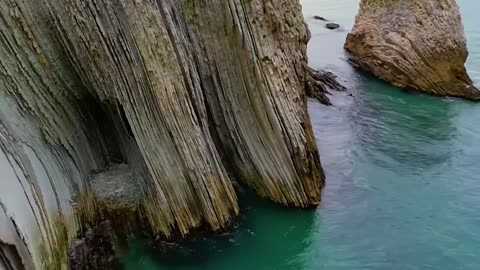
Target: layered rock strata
(179,91)
(416,44)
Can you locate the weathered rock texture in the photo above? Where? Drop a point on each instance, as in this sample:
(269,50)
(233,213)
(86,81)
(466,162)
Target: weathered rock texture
(95,250)
(414,44)
(320,82)
(181,91)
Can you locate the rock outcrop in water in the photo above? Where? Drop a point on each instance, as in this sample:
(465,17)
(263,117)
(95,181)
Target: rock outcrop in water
(417,44)
(167,95)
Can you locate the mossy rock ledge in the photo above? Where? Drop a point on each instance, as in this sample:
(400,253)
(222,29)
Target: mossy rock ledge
(417,45)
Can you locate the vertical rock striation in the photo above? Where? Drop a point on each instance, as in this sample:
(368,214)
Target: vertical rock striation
(413,44)
(175,93)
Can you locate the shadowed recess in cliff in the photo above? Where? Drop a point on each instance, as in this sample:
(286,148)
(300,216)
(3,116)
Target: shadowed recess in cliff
(9,258)
(166,93)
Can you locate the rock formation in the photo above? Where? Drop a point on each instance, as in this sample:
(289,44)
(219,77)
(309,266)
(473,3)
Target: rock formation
(177,95)
(415,44)
(319,18)
(332,26)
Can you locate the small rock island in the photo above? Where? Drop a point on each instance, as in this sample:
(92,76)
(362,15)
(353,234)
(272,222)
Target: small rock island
(417,45)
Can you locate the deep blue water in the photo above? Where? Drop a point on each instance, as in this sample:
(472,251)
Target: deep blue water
(403,179)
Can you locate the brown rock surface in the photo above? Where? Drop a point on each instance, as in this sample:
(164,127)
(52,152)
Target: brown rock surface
(183,92)
(417,44)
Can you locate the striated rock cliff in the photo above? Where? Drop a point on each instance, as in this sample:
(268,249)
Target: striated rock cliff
(167,95)
(416,44)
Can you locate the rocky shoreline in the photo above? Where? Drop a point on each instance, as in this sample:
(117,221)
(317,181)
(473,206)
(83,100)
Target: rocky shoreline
(102,239)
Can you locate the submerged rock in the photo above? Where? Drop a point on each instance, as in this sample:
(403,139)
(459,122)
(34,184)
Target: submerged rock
(319,18)
(418,45)
(332,26)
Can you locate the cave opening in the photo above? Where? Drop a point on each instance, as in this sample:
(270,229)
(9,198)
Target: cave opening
(117,181)
(108,128)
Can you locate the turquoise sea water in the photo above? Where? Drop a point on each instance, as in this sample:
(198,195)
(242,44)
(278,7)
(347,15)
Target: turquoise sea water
(403,179)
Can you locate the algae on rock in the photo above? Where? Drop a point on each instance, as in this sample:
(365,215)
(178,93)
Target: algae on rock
(413,44)
(181,91)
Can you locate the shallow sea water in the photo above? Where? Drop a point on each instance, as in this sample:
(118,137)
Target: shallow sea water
(403,179)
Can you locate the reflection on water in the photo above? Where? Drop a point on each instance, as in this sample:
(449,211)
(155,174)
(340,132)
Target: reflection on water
(393,127)
(403,180)
(267,232)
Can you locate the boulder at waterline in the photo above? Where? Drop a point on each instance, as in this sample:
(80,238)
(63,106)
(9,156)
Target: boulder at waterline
(332,26)
(319,18)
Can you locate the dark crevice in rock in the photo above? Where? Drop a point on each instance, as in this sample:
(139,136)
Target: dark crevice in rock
(125,120)
(10,258)
(108,127)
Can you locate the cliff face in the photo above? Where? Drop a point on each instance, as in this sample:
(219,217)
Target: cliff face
(168,95)
(418,45)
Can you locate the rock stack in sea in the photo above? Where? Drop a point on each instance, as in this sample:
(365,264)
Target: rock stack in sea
(414,44)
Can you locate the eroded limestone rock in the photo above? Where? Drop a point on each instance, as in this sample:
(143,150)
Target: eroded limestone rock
(181,91)
(415,44)
(320,82)
(117,185)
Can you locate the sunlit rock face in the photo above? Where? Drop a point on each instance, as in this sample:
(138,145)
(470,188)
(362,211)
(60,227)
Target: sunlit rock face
(167,95)
(419,45)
